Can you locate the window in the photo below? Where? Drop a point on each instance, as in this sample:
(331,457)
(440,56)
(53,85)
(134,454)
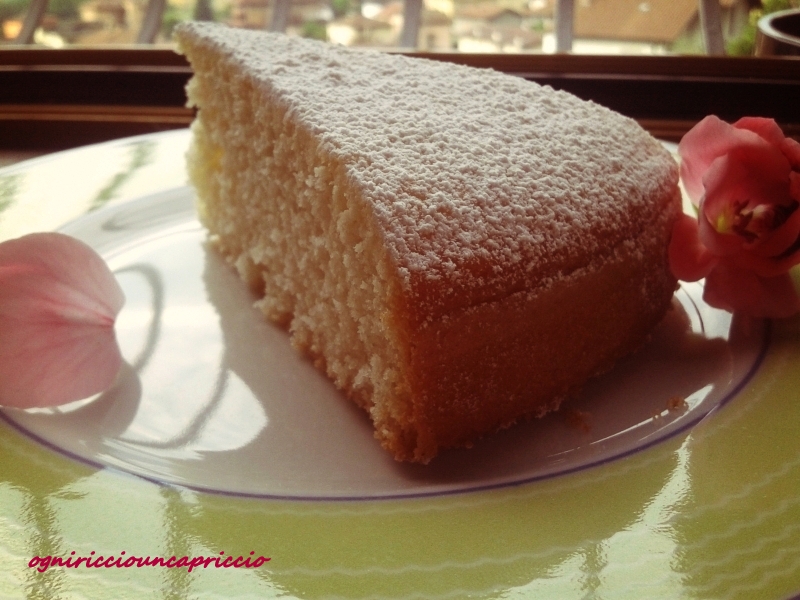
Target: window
(649,27)
(87,76)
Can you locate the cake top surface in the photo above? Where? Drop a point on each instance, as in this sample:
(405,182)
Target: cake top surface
(484,181)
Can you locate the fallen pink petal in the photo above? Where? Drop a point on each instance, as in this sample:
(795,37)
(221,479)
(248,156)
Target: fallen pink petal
(58,305)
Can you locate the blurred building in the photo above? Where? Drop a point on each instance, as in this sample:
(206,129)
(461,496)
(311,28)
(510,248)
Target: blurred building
(490,27)
(435,31)
(645,26)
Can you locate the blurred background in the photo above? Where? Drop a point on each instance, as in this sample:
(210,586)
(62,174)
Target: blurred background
(611,27)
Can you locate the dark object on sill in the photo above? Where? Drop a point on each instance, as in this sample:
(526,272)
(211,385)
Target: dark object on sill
(779,34)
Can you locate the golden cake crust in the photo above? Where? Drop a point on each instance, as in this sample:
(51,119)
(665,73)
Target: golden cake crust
(483,368)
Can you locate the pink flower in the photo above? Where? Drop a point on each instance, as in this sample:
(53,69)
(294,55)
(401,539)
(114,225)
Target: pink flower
(58,303)
(745,181)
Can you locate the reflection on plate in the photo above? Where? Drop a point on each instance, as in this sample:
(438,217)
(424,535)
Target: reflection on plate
(213,398)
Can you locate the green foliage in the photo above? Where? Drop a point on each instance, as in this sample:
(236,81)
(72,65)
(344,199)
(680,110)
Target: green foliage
(340,7)
(771,6)
(689,42)
(12,8)
(537,25)
(171,17)
(315,30)
(64,9)
(744,44)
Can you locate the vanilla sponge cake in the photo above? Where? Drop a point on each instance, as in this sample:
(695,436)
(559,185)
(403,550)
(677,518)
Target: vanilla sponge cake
(458,249)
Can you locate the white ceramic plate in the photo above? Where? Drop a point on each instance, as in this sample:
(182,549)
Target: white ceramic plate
(213,402)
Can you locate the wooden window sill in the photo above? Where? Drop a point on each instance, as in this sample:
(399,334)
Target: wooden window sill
(55,99)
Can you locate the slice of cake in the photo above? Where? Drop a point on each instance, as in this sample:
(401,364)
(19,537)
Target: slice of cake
(458,249)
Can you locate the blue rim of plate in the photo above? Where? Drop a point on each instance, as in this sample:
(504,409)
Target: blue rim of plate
(689,424)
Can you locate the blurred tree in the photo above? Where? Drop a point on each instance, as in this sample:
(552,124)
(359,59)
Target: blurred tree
(340,8)
(172,16)
(744,44)
(64,9)
(315,30)
(12,8)
(203,11)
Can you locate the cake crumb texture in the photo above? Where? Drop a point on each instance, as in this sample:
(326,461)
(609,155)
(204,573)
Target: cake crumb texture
(457,248)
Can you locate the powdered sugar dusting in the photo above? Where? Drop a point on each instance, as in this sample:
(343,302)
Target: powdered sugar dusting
(482,181)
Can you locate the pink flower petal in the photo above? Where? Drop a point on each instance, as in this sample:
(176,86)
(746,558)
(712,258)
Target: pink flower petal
(791,150)
(689,260)
(703,144)
(747,174)
(58,303)
(717,243)
(794,185)
(768,129)
(771,131)
(780,247)
(753,178)
(740,290)
(745,179)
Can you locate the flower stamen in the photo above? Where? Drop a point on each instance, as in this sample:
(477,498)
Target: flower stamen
(754,223)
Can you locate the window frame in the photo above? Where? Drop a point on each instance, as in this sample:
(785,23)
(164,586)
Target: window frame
(56,99)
